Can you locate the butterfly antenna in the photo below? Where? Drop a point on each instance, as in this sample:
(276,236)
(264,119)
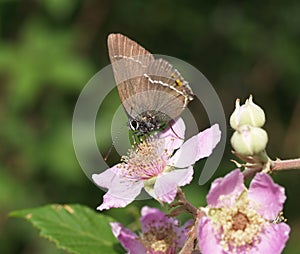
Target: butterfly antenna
(108,152)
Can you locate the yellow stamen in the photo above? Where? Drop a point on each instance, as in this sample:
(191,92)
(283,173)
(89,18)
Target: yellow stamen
(239,225)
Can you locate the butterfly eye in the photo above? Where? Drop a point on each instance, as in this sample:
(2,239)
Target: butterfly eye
(133,124)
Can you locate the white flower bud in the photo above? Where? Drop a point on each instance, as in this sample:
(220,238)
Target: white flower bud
(249,114)
(249,140)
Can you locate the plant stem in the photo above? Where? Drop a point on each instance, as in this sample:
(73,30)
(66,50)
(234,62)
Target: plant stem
(191,243)
(249,172)
(285,164)
(277,165)
(185,203)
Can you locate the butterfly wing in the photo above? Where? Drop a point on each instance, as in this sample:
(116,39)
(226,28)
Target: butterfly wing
(129,61)
(146,84)
(171,92)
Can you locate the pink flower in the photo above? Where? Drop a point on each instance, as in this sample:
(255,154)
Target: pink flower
(160,234)
(243,221)
(154,166)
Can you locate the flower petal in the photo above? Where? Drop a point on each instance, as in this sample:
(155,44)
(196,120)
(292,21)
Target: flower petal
(266,196)
(152,213)
(153,216)
(121,191)
(207,238)
(173,136)
(197,147)
(106,178)
(127,238)
(273,239)
(166,184)
(231,185)
(208,140)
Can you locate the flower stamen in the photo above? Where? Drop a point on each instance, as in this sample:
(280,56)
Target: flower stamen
(239,225)
(160,238)
(239,221)
(145,161)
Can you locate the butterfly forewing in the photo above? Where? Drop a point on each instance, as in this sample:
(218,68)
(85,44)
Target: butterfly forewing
(129,61)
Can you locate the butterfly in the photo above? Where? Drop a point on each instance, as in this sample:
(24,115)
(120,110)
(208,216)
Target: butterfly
(151,90)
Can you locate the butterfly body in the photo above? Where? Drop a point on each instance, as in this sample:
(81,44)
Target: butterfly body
(148,122)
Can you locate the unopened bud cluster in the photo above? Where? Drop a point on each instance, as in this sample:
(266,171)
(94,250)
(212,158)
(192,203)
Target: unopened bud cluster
(249,138)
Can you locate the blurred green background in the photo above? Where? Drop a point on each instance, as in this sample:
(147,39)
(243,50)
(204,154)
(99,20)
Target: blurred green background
(50,49)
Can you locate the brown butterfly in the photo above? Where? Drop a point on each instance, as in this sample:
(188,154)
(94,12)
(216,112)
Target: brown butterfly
(152,91)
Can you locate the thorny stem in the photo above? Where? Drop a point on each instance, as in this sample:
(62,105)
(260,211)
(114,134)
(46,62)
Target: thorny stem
(249,172)
(277,165)
(183,204)
(285,164)
(191,242)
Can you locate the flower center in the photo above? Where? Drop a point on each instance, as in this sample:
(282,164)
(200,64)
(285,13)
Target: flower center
(145,161)
(239,221)
(239,225)
(160,238)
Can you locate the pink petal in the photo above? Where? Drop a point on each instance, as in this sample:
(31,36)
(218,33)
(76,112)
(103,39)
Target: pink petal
(106,178)
(174,136)
(266,196)
(154,212)
(273,239)
(166,184)
(197,147)
(207,238)
(121,191)
(153,216)
(127,238)
(232,185)
(208,139)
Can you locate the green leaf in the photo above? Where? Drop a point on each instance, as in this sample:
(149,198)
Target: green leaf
(73,228)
